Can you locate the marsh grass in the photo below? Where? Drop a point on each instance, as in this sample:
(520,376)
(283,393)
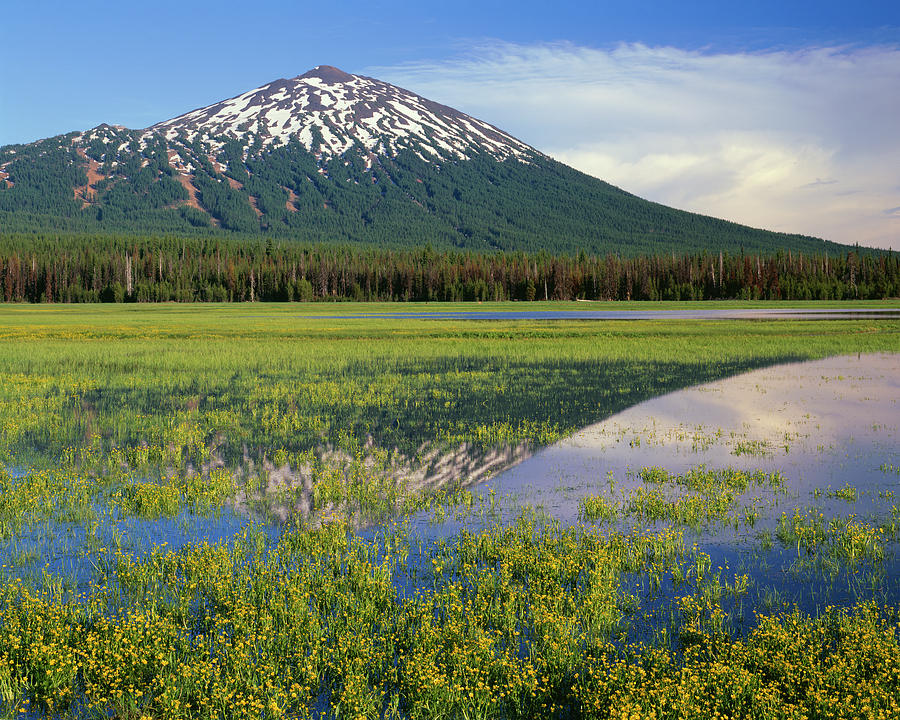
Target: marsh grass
(517,621)
(158,387)
(836,542)
(327,602)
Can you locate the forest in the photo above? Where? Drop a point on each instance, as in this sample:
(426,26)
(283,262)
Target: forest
(85,268)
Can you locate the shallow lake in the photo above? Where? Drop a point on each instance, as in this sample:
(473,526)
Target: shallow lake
(596,314)
(827,428)
(823,424)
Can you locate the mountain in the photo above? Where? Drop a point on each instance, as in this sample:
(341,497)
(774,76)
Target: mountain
(330,156)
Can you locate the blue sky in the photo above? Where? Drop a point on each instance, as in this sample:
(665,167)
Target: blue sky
(777,114)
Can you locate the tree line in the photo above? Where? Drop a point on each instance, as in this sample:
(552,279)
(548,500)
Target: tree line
(38,268)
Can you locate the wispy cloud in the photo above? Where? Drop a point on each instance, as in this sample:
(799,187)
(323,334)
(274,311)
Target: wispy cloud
(801,140)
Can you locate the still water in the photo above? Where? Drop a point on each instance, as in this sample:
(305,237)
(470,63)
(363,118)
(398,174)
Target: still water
(698,314)
(823,424)
(830,428)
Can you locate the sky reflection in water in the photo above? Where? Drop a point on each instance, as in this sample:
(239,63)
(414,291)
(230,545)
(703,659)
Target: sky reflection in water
(824,425)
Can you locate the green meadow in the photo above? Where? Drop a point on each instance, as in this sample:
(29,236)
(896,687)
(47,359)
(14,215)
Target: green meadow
(223,511)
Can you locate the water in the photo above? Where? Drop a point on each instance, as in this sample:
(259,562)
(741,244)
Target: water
(824,423)
(699,314)
(829,427)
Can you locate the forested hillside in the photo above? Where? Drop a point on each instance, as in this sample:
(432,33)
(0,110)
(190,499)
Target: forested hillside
(403,201)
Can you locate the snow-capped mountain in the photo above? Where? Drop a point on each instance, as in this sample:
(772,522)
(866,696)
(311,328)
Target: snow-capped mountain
(330,112)
(332,157)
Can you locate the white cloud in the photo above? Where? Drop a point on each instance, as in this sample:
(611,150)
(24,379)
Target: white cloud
(801,141)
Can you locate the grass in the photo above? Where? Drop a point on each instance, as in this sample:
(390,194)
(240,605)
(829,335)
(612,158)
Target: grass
(169,385)
(118,423)
(702,496)
(850,540)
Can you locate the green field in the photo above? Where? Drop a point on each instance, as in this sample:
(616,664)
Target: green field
(271,378)
(128,432)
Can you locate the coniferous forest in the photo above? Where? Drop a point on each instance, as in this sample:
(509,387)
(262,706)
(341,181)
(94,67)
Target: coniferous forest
(44,268)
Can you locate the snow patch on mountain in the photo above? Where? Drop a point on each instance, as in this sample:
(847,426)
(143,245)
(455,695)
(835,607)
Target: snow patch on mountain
(344,110)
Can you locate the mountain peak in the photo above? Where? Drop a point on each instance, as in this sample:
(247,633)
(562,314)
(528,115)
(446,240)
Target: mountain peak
(328,73)
(330,112)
